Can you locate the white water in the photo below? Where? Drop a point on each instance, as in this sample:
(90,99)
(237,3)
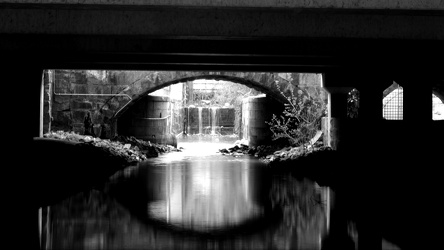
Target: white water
(200,119)
(213,120)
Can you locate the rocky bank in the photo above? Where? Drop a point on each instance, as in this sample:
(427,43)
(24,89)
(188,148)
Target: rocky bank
(128,148)
(272,154)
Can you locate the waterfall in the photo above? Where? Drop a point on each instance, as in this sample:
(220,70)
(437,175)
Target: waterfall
(188,121)
(200,119)
(213,120)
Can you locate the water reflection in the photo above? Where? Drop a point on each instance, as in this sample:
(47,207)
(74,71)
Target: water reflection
(210,195)
(174,202)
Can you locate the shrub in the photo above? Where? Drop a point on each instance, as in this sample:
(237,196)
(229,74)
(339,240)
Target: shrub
(301,118)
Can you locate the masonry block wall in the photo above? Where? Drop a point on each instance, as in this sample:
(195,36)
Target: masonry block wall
(75,93)
(71,94)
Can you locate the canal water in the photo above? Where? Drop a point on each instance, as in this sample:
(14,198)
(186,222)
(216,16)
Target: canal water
(194,199)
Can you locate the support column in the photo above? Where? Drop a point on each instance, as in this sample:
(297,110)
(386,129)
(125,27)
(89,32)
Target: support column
(337,114)
(370,133)
(352,138)
(417,146)
(417,110)
(335,133)
(22,120)
(371,113)
(370,103)
(418,103)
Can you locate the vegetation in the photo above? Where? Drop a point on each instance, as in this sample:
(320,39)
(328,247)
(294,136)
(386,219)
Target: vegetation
(353,103)
(301,118)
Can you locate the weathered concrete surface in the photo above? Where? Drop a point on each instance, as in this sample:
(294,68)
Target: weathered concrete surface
(256,111)
(339,4)
(217,23)
(150,119)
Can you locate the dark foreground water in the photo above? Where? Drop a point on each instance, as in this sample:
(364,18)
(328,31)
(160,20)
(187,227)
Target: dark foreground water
(195,199)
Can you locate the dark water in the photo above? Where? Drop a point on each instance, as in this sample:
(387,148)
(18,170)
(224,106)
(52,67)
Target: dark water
(195,199)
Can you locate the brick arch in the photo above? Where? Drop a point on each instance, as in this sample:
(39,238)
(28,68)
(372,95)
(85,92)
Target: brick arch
(263,82)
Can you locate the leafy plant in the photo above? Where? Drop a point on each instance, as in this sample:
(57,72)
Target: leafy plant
(301,118)
(353,104)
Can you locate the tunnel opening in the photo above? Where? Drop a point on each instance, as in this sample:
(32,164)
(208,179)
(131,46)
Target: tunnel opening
(116,102)
(97,105)
(190,110)
(101,94)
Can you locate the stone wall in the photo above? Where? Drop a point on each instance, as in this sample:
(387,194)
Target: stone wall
(71,94)
(75,93)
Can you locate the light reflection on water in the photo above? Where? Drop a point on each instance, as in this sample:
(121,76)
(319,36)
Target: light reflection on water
(196,190)
(207,196)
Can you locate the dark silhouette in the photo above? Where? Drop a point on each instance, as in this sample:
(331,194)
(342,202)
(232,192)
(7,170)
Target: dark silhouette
(104,128)
(88,124)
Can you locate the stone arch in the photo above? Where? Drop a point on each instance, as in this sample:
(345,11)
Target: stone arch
(108,93)
(263,82)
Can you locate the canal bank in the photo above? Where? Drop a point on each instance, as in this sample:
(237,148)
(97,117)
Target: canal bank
(128,149)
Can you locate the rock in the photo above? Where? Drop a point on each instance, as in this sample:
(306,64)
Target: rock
(224,150)
(251,151)
(151,154)
(237,154)
(127,146)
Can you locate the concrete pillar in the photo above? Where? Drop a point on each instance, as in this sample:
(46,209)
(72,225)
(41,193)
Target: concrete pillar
(334,135)
(417,102)
(370,114)
(370,103)
(352,138)
(21,121)
(337,114)
(370,133)
(417,109)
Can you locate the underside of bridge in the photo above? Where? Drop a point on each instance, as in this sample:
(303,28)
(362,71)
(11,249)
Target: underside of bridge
(353,44)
